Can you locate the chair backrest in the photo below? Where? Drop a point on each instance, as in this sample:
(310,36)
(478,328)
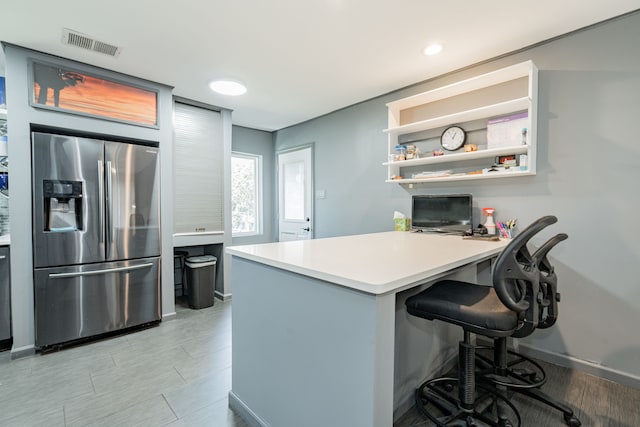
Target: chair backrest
(516,277)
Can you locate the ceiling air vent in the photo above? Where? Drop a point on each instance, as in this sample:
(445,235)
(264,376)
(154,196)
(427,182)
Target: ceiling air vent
(84,41)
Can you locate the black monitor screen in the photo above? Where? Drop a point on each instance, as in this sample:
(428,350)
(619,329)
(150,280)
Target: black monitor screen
(442,213)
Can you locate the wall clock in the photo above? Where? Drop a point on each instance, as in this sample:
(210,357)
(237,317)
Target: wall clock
(453,138)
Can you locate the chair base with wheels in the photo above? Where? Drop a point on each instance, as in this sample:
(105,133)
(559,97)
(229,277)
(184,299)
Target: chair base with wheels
(496,366)
(451,401)
(454,401)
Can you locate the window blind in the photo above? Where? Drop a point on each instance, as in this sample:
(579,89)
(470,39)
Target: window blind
(198,170)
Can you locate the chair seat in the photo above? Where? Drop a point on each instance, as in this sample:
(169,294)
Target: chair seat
(475,308)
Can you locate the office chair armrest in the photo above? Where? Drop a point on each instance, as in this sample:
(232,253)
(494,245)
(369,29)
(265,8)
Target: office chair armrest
(515,263)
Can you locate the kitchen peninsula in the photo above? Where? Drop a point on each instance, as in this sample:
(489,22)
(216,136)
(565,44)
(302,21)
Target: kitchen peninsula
(320,333)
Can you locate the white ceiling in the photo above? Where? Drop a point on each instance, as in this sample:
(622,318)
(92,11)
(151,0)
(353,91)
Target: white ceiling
(299,58)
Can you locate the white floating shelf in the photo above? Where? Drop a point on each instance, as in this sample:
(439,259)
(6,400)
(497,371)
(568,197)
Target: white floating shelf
(469,155)
(524,69)
(461,177)
(507,107)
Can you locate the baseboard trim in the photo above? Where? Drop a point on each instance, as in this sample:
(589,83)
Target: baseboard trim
(168,316)
(222,296)
(27,350)
(600,371)
(244,412)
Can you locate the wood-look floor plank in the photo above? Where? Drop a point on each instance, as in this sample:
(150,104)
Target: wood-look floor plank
(200,393)
(49,417)
(150,412)
(44,393)
(216,414)
(195,368)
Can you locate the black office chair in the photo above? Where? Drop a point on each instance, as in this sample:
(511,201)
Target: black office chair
(514,371)
(496,312)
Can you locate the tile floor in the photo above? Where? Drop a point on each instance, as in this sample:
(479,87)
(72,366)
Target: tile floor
(175,374)
(179,374)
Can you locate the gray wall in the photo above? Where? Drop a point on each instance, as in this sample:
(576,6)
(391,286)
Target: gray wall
(349,150)
(260,142)
(588,151)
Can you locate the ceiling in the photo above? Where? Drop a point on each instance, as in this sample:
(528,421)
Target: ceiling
(298,58)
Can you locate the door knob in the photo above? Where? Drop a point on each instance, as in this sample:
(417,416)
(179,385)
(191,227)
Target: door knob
(307,229)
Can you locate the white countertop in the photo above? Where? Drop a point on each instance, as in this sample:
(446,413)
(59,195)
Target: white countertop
(5,240)
(375,263)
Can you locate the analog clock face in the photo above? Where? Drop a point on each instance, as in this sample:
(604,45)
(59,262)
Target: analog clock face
(453,138)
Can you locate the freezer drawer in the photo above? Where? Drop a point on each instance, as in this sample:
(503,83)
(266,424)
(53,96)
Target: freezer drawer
(83,301)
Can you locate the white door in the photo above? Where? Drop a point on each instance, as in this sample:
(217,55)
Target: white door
(295,189)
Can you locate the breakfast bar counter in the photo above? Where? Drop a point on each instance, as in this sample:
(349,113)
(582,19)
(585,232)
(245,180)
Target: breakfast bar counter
(320,333)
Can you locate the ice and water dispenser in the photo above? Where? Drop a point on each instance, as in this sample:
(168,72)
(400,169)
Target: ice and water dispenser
(62,205)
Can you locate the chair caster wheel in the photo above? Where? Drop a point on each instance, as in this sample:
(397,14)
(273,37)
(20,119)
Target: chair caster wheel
(448,387)
(470,422)
(533,378)
(572,421)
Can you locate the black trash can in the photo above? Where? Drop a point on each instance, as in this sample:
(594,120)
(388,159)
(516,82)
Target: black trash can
(201,280)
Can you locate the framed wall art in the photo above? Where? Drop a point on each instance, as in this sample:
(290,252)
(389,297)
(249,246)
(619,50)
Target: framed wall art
(65,89)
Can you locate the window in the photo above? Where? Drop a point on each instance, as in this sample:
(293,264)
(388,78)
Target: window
(246,194)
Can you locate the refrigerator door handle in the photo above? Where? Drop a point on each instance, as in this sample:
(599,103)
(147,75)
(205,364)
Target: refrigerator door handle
(101,199)
(109,214)
(94,272)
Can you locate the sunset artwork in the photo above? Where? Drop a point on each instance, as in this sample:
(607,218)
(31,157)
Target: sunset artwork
(72,91)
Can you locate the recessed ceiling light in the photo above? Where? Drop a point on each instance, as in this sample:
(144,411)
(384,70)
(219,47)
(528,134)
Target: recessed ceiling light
(227,87)
(432,49)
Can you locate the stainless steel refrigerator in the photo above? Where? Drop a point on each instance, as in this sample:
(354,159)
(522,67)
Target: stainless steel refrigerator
(96,236)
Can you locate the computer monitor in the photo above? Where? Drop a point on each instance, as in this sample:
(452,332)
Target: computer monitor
(451,213)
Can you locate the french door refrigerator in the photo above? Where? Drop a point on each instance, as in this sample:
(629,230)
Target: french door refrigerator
(96,236)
